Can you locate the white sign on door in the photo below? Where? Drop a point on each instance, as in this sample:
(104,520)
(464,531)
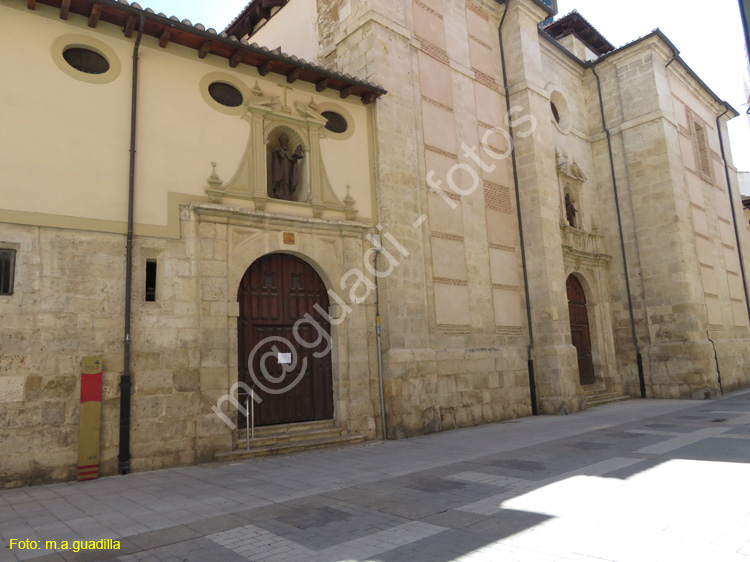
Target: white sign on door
(285,358)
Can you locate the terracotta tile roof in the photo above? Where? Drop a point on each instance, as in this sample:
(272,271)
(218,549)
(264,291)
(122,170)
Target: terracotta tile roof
(251,15)
(575,24)
(208,41)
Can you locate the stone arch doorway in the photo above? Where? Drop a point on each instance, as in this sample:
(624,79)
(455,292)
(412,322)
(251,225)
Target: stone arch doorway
(291,368)
(580,330)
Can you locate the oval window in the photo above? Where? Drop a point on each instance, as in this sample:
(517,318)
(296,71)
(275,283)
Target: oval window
(555,112)
(86,60)
(560,111)
(336,122)
(225,94)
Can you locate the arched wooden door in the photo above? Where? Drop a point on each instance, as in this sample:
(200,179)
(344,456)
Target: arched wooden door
(579,329)
(277,291)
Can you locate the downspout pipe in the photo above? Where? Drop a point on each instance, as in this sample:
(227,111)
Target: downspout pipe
(379,345)
(639,357)
(530,347)
(731,205)
(126,379)
(716,358)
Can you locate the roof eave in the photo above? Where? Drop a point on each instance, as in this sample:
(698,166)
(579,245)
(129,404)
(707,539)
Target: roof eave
(549,10)
(574,23)
(677,58)
(235,27)
(555,43)
(219,44)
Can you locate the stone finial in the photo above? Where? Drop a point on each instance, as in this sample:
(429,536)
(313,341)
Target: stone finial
(312,105)
(214,183)
(214,180)
(576,171)
(257,91)
(560,157)
(569,167)
(349,200)
(349,203)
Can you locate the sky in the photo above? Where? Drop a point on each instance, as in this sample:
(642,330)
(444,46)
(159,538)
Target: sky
(709,36)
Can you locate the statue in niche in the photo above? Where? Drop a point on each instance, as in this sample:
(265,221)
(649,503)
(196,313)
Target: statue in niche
(570,210)
(285,171)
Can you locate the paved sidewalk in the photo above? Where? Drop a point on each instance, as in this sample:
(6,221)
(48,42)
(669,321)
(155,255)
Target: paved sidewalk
(639,481)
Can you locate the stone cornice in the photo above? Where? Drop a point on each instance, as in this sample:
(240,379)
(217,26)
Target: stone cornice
(534,8)
(242,216)
(550,50)
(493,11)
(659,44)
(678,72)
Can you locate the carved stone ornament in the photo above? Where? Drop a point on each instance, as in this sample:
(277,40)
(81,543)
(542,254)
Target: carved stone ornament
(349,201)
(569,167)
(282,161)
(214,183)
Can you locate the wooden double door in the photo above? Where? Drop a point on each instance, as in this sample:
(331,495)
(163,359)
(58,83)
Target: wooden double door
(293,379)
(579,329)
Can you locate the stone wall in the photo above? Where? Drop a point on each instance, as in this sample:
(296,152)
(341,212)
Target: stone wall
(455,330)
(454,327)
(69,303)
(676,250)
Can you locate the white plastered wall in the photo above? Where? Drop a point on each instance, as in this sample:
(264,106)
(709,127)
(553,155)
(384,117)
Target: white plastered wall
(82,130)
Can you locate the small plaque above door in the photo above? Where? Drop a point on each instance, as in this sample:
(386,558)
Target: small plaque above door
(289,238)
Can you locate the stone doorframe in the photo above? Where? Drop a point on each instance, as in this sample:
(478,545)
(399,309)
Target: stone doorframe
(594,283)
(331,248)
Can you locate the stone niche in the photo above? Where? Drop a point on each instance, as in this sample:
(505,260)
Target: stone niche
(571,179)
(297,152)
(268,119)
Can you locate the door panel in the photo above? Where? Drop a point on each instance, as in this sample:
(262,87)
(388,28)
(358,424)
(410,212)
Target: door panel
(579,330)
(275,292)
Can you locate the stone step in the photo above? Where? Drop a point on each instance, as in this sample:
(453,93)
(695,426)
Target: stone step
(266,439)
(606,400)
(601,395)
(285,429)
(594,389)
(288,448)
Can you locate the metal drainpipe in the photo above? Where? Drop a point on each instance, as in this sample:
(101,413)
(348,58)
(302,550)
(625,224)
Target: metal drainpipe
(731,204)
(716,358)
(639,357)
(530,348)
(380,350)
(125,380)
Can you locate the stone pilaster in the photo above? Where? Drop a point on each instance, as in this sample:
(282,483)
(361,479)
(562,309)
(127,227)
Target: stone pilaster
(555,357)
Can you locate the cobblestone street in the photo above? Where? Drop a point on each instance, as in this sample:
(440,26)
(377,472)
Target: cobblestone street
(637,481)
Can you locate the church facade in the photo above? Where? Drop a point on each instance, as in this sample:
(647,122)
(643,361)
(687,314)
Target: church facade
(520,218)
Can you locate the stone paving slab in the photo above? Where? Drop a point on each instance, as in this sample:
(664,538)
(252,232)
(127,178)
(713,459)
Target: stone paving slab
(635,481)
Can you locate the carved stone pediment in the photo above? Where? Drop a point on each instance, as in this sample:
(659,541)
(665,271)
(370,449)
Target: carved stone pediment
(268,118)
(310,111)
(569,167)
